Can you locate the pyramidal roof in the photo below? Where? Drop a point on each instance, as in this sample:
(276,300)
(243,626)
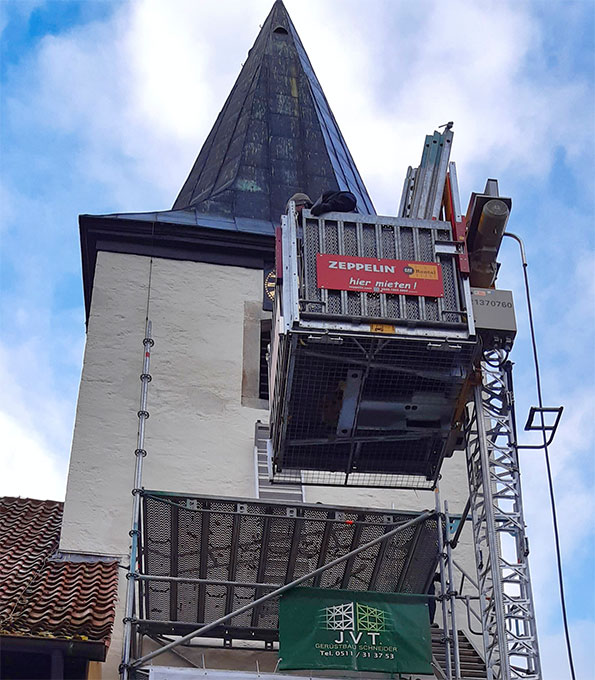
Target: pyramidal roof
(275,136)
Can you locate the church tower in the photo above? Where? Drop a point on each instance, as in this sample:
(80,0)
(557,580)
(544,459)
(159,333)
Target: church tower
(199,272)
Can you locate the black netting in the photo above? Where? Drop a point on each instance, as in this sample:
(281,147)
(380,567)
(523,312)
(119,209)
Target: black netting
(255,542)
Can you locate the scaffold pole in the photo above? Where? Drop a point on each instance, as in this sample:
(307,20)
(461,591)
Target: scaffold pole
(139,453)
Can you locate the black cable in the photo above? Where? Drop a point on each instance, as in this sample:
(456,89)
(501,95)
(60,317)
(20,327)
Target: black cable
(547,462)
(498,362)
(150,273)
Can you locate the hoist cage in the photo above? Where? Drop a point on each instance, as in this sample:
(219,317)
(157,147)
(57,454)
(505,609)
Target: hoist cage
(367,384)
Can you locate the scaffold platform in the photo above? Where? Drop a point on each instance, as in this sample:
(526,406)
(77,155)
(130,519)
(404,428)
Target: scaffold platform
(204,557)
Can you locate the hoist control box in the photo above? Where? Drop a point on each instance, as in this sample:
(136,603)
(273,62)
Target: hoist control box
(495,323)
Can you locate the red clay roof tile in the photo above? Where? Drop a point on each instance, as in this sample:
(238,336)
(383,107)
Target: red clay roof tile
(40,597)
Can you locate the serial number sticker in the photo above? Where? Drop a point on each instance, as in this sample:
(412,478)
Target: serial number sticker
(381,328)
(493,303)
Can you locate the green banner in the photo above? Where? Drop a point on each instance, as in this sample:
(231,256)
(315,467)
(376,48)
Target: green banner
(353,630)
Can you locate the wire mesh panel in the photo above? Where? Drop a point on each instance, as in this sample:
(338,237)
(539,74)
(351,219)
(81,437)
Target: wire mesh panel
(245,547)
(367,385)
(385,239)
(367,411)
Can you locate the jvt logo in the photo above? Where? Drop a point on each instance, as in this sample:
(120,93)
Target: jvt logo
(355,619)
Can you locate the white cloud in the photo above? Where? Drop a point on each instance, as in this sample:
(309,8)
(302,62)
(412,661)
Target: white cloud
(144,88)
(139,91)
(28,467)
(36,409)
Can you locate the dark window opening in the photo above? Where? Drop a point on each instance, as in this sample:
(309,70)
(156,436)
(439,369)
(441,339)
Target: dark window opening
(265,340)
(29,665)
(280,30)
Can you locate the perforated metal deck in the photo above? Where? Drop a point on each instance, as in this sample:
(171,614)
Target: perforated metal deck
(241,544)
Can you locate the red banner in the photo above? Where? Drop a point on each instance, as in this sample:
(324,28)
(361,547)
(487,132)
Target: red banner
(370,275)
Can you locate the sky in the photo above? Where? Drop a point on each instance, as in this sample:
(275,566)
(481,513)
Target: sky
(104,106)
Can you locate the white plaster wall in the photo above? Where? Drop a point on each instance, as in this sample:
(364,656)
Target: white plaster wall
(199,438)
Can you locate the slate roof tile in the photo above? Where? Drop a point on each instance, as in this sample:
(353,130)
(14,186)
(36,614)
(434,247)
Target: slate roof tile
(44,597)
(278,121)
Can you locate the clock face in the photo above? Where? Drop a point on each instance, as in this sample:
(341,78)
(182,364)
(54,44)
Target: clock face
(270,281)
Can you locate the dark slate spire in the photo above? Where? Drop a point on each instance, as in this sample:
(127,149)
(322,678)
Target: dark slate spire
(275,136)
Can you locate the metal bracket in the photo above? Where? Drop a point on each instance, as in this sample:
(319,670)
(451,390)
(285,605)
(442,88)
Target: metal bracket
(448,247)
(303,302)
(531,426)
(444,345)
(350,401)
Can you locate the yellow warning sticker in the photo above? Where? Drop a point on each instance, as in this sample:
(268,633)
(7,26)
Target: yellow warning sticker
(381,328)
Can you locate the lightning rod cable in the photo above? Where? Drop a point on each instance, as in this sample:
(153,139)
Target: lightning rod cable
(547,455)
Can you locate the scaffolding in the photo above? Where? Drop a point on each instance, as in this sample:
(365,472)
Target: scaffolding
(190,580)
(264,548)
(397,552)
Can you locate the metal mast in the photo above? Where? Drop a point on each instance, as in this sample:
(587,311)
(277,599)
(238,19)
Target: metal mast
(501,547)
(139,453)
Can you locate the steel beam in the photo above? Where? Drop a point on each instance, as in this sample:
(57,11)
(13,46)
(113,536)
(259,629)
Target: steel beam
(207,581)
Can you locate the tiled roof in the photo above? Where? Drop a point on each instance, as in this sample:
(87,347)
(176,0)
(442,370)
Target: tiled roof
(47,598)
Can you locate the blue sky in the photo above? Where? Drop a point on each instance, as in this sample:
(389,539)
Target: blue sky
(105,106)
